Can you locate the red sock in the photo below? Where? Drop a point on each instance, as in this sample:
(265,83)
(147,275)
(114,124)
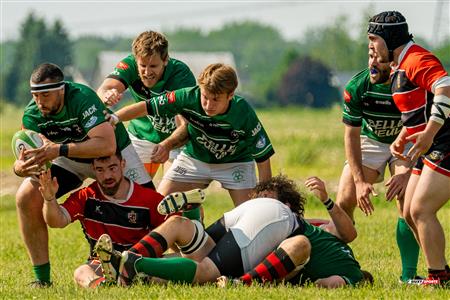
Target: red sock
(151,245)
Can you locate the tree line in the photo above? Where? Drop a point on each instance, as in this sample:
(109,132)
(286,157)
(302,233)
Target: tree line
(272,71)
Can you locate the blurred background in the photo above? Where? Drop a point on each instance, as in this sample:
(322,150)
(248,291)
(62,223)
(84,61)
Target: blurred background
(285,52)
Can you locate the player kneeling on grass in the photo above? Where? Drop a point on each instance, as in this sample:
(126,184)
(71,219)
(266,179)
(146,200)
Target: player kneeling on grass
(113,204)
(318,255)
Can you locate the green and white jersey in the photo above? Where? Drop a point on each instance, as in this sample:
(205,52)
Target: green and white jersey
(236,136)
(176,75)
(82,111)
(329,256)
(371,106)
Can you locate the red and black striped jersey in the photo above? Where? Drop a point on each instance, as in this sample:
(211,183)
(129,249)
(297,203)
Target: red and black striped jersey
(411,87)
(126,221)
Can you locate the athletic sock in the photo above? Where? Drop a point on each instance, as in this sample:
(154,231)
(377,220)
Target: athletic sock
(42,272)
(276,265)
(409,250)
(441,275)
(151,245)
(193,214)
(177,269)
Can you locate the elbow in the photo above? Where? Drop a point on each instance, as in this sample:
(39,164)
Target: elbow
(350,236)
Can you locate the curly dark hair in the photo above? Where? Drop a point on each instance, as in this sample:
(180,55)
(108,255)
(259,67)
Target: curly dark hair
(286,191)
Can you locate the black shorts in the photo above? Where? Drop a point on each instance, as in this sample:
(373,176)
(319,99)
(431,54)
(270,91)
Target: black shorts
(437,159)
(67,181)
(226,255)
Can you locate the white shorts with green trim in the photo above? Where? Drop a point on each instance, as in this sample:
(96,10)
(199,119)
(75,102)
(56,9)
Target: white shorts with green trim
(145,148)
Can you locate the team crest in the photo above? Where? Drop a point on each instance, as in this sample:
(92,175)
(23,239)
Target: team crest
(132,217)
(436,156)
(347,96)
(171,97)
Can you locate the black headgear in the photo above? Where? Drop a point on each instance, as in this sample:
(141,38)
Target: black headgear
(392,27)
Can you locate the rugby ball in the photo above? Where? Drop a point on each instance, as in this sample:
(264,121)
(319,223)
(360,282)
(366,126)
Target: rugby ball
(27,139)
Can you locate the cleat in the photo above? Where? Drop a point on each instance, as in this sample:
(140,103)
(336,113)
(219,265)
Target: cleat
(412,281)
(109,258)
(179,201)
(39,284)
(127,269)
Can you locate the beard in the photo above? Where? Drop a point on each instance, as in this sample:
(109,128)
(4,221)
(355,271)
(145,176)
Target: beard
(108,189)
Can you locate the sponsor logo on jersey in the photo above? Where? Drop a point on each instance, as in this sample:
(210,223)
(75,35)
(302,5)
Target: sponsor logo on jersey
(256,129)
(220,150)
(180,170)
(385,128)
(89,111)
(161,100)
(347,96)
(261,143)
(234,134)
(132,217)
(346,108)
(121,65)
(171,97)
(163,124)
(91,122)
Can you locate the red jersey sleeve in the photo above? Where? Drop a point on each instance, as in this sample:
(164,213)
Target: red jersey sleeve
(423,69)
(156,218)
(75,204)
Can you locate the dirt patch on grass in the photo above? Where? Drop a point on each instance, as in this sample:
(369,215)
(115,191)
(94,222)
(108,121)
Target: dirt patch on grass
(9,183)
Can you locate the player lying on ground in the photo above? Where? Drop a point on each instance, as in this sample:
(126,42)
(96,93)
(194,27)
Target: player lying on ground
(112,204)
(313,254)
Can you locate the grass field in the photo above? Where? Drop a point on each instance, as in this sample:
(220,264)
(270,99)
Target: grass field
(306,142)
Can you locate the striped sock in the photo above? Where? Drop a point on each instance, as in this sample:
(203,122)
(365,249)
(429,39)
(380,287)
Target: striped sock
(276,265)
(151,245)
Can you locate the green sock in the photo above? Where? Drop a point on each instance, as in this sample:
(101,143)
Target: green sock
(409,249)
(42,272)
(193,214)
(177,269)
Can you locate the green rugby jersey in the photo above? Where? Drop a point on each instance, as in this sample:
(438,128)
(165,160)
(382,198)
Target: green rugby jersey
(176,75)
(329,256)
(372,107)
(236,136)
(82,111)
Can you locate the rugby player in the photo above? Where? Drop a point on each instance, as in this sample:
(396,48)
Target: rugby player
(372,122)
(146,73)
(421,90)
(225,135)
(112,204)
(70,118)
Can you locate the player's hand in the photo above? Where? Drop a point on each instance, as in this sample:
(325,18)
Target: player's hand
(421,146)
(317,186)
(397,186)
(112,118)
(25,166)
(397,148)
(160,154)
(48,152)
(111,97)
(49,186)
(363,191)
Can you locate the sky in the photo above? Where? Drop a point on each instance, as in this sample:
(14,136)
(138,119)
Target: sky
(291,18)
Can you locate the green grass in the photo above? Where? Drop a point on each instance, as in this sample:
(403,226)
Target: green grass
(306,143)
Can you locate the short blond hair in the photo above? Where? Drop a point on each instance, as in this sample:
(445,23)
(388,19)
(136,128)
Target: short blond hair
(218,78)
(150,42)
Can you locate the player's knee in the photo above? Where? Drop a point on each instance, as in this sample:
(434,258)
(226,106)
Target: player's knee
(419,214)
(28,198)
(298,248)
(79,274)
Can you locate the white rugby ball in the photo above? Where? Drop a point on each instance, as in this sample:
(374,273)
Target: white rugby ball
(27,139)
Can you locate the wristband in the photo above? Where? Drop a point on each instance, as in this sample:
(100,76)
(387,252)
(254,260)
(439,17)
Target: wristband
(64,150)
(329,204)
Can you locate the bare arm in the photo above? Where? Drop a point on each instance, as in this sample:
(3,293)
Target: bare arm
(132,111)
(101,142)
(51,210)
(177,139)
(111,91)
(354,157)
(341,225)
(264,170)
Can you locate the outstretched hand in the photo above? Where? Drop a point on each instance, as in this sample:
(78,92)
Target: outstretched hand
(48,185)
(363,191)
(317,186)
(160,154)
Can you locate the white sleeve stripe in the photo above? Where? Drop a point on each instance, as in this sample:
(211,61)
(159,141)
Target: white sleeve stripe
(441,82)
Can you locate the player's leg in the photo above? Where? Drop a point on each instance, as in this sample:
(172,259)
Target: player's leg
(406,241)
(431,193)
(283,263)
(144,149)
(33,228)
(134,168)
